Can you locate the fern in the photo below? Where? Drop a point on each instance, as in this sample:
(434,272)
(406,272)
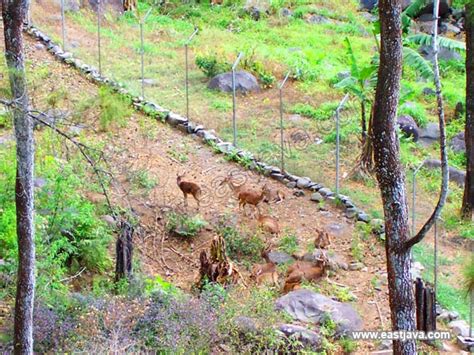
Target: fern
(413,59)
(424,39)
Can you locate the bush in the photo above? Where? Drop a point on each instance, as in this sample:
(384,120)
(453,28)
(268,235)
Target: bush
(210,65)
(240,247)
(289,244)
(322,113)
(113,108)
(173,325)
(416,111)
(184,225)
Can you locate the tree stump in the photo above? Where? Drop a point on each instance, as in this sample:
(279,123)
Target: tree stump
(216,267)
(124,251)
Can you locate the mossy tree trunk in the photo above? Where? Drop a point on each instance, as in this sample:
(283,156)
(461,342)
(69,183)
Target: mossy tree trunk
(14,12)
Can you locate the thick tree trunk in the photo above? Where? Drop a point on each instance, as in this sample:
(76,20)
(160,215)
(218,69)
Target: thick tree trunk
(363,121)
(468,199)
(390,173)
(13,12)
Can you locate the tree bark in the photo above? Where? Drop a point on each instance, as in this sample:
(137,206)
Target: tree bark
(390,175)
(363,121)
(468,199)
(13,12)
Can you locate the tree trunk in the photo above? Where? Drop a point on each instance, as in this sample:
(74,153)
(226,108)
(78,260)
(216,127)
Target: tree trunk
(363,121)
(468,199)
(390,175)
(124,251)
(13,12)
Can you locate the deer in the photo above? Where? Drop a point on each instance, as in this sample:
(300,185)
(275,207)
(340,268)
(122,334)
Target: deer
(246,194)
(188,187)
(304,270)
(265,273)
(274,196)
(322,240)
(268,224)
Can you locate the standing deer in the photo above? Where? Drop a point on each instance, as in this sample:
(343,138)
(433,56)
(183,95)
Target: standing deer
(188,187)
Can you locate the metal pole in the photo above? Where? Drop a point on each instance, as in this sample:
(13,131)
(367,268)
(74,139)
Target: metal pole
(98,37)
(341,105)
(63,25)
(186,45)
(282,143)
(234,125)
(142,52)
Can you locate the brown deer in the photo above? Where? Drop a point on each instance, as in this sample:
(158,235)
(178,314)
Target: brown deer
(188,187)
(304,270)
(265,274)
(274,196)
(268,224)
(322,240)
(246,194)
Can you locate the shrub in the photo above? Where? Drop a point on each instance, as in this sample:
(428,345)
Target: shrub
(210,65)
(416,111)
(173,325)
(113,108)
(241,247)
(184,225)
(289,244)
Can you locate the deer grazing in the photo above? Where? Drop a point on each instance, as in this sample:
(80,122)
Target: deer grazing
(246,194)
(188,188)
(304,270)
(274,196)
(322,240)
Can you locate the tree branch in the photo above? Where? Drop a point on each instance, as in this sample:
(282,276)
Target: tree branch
(442,140)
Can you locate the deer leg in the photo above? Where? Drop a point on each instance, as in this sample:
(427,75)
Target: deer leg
(185,199)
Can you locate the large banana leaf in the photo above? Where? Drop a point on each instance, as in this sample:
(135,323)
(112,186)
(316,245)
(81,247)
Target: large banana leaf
(414,59)
(425,39)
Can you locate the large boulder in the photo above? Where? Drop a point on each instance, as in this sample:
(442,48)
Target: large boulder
(408,126)
(244,82)
(304,335)
(257,8)
(455,175)
(458,143)
(444,9)
(430,134)
(311,307)
(444,54)
(368,5)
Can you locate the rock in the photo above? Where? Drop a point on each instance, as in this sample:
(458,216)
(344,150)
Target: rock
(40,46)
(385,345)
(317,197)
(459,110)
(466,343)
(430,134)
(450,28)
(149,82)
(279,257)
(303,183)
(285,12)
(308,306)
(295,118)
(109,220)
(298,193)
(444,9)
(408,126)
(304,335)
(369,17)
(458,143)
(72,5)
(354,266)
(343,75)
(40,182)
(326,192)
(6,139)
(368,4)
(428,92)
(257,8)
(225,147)
(444,54)
(363,217)
(291,185)
(244,82)
(351,212)
(459,327)
(317,20)
(336,262)
(453,315)
(455,175)
(245,325)
(175,119)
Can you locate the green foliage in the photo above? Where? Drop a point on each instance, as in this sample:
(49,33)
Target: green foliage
(210,65)
(416,111)
(413,58)
(289,244)
(113,108)
(184,225)
(424,39)
(56,97)
(468,273)
(141,179)
(241,247)
(322,113)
